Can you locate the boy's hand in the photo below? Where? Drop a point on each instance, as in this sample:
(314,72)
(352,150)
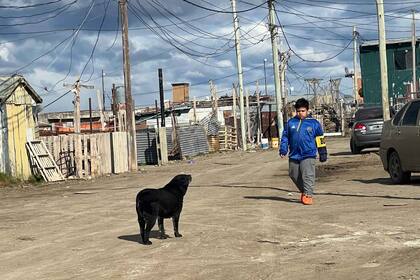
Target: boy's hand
(323,157)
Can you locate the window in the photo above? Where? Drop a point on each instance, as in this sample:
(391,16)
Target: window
(403,59)
(369,114)
(410,117)
(398,116)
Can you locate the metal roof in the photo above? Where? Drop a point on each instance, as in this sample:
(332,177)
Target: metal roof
(388,42)
(8,86)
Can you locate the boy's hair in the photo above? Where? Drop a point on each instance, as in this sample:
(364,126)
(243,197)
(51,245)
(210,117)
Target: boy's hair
(302,103)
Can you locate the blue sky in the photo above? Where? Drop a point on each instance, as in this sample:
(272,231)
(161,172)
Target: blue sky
(51,44)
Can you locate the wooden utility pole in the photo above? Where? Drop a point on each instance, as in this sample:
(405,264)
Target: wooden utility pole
(130,121)
(162,98)
(235,123)
(248,117)
(90,116)
(355,36)
(383,60)
(214,99)
(157,134)
(101,112)
(274,37)
(240,73)
(258,115)
(114,106)
(103,90)
(76,120)
(163,145)
(76,113)
(413,46)
(283,67)
(194,110)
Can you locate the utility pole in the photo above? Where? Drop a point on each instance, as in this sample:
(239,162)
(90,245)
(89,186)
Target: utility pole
(76,113)
(76,119)
(235,124)
(90,115)
(248,117)
(240,73)
(274,36)
(114,106)
(265,78)
(163,145)
(103,90)
(214,100)
(132,157)
(258,115)
(355,36)
(284,59)
(101,112)
(383,60)
(195,110)
(162,98)
(413,45)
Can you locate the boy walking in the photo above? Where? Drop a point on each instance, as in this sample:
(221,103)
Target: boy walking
(302,138)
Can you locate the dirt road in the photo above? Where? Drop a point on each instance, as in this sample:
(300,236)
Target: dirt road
(241,220)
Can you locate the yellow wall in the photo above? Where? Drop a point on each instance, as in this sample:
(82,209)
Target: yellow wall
(19,121)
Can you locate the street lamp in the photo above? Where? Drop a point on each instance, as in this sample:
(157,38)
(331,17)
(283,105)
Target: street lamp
(265,76)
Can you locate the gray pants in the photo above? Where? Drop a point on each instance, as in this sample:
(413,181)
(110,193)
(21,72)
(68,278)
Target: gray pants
(302,174)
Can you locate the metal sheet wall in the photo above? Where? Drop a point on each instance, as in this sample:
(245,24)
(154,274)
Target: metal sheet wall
(146,147)
(192,139)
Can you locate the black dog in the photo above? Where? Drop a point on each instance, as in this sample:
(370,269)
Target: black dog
(152,204)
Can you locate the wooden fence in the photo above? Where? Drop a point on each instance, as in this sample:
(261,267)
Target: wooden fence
(89,155)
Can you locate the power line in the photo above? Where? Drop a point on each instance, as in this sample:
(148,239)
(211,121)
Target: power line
(55,100)
(300,57)
(221,11)
(28,6)
(96,43)
(64,8)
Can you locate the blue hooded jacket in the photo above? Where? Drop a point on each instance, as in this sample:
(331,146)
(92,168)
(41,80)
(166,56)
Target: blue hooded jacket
(299,136)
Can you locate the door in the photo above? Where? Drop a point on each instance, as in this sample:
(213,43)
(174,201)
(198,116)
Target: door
(410,138)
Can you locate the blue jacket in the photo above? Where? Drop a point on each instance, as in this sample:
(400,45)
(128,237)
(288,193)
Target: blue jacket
(299,136)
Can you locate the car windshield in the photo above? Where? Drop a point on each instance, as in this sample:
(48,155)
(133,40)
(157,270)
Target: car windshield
(369,114)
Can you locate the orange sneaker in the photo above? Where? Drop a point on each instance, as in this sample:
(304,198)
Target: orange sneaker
(307,200)
(301,197)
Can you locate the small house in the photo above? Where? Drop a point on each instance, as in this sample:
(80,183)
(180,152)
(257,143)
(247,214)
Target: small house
(18,115)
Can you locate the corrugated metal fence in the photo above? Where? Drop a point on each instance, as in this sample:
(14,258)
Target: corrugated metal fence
(146,146)
(192,141)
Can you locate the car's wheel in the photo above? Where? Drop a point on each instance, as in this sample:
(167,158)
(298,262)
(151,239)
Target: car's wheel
(398,176)
(354,148)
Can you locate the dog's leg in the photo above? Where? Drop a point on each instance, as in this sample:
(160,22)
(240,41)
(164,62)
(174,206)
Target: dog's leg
(150,223)
(175,221)
(142,224)
(161,228)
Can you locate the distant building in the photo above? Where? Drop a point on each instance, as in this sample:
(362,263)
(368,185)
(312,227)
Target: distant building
(399,58)
(180,92)
(18,103)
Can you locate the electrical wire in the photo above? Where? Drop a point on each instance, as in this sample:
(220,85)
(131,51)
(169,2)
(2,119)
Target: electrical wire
(64,8)
(96,43)
(222,11)
(29,6)
(300,57)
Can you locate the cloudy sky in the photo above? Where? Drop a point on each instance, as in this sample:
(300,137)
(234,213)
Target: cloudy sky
(52,42)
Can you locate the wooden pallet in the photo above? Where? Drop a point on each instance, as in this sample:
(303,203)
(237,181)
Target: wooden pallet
(44,161)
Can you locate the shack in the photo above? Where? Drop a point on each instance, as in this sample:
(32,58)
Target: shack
(18,115)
